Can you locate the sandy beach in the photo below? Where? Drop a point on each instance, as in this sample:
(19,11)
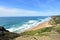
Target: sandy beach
(42,25)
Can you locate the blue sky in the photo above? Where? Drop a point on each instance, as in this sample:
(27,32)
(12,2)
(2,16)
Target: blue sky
(29,7)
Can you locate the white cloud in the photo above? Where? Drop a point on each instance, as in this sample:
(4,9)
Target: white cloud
(22,12)
(16,12)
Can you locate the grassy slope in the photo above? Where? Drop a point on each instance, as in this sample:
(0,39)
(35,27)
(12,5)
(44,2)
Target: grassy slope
(49,33)
(42,31)
(38,32)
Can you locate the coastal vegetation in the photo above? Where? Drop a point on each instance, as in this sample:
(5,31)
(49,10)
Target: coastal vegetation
(55,20)
(38,32)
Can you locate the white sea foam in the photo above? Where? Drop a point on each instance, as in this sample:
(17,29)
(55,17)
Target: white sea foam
(27,25)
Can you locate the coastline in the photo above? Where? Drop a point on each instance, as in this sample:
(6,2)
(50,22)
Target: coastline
(27,27)
(42,25)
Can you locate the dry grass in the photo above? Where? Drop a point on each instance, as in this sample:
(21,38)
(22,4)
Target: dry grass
(52,36)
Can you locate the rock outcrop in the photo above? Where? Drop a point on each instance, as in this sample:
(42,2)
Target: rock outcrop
(3,29)
(6,35)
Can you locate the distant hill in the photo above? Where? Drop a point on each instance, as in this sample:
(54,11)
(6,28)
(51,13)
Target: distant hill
(55,20)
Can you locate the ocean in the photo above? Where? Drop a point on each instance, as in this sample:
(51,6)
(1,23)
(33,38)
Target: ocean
(20,24)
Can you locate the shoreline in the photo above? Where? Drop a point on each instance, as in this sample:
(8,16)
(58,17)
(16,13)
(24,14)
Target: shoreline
(42,25)
(26,28)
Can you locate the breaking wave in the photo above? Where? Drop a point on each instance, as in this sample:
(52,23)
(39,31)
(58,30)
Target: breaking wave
(27,25)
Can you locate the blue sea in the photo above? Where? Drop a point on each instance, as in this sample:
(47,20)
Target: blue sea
(20,24)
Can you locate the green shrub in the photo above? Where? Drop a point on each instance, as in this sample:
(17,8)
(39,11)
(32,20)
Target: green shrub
(55,20)
(58,29)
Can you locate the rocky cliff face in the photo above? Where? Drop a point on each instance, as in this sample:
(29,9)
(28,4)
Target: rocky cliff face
(6,35)
(2,31)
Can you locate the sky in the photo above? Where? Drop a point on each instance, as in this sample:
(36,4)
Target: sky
(29,7)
